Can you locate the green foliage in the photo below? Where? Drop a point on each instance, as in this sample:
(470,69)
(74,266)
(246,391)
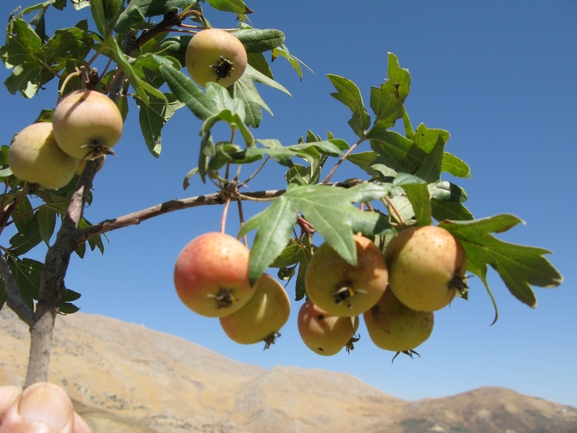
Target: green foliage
(401,173)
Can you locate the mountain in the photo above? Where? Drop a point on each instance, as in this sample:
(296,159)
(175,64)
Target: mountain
(125,378)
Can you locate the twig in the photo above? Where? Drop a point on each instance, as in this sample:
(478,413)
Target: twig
(341,160)
(136,218)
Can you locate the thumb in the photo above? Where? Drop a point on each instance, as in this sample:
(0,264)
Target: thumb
(42,407)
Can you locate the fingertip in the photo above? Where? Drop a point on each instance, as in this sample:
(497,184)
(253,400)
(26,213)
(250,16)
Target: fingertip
(46,403)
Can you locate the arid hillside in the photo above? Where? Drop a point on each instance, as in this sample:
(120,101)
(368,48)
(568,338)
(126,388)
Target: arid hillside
(126,378)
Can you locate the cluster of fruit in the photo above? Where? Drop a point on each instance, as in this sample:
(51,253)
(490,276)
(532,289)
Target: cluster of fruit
(85,124)
(211,278)
(397,292)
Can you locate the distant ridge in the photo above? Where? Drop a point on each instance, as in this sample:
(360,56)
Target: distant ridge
(125,378)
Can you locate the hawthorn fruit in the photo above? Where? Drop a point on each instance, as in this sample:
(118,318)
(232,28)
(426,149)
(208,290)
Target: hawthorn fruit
(87,124)
(394,326)
(34,156)
(427,267)
(342,289)
(262,317)
(215,55)
(211,275)
(324,333)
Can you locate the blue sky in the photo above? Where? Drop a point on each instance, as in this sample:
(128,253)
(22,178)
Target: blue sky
(499,76)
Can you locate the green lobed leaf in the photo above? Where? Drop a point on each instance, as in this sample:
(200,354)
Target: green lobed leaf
(188,92)
(428,138)
(22,44)
(296,63)
(329,209)
(23,54)
(447,210)
(99,17)
(302,175)
(236,6)
(23,214)
(430,169)
(418,195)
(68,43)
(245,90)
(175,46)
(112,11)
(283,154)
(520,267)
(26,238)
(455,166)
(349,94)
(258,62)
(258,41)
(138,10)
(447,191)
(399,76)
(296,254)
(274,225)
(259,77)
(46,223)
(153,117)
(95,241)
(396,151)
(27,273)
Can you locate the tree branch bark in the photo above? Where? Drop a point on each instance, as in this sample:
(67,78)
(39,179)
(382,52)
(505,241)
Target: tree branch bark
(166,207)
(52,280)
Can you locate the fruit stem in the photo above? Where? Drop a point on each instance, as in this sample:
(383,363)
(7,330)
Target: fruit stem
(341,160)
(66,80)
(391,206)
(241,218)
(224,215)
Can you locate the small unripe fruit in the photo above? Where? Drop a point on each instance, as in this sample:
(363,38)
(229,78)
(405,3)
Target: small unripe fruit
(262,316)
(215,55)
(211,275)
(35,157)
(393,326)
(324,333)
(342,289)
(427,266)
(86,124)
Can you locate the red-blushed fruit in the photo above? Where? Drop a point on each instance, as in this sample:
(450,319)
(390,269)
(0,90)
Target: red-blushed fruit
(324,333)
(87,124)
(262,316)
(342,289)
(427,266)
(211,275)
(215,55)
(35,157)
(393,326)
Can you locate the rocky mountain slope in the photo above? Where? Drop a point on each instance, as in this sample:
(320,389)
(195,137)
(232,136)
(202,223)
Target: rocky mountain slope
(127,378)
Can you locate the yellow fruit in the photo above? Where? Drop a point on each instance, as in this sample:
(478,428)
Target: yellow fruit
(211,275)
(215,55)
(344,290)
(393,326)
(427,266)
(262,316)
(325,333)
(86,124)
(35,157)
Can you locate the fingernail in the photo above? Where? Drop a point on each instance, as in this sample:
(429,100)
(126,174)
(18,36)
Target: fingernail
(46,403)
